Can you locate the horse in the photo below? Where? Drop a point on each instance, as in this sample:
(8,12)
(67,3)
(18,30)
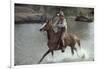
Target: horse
(53,39)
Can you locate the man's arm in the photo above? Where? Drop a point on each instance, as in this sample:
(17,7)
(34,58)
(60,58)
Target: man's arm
(56,21)
(65,24)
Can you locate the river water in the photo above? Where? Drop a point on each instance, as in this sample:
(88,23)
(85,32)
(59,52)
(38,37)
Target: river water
(31,44)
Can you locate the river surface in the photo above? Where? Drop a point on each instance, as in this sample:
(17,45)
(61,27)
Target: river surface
(31,44)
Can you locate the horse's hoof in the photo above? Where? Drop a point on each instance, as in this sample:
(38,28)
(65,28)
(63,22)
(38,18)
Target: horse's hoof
(62,51)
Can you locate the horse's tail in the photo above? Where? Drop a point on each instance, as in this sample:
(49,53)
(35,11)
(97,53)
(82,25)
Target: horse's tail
(78,41)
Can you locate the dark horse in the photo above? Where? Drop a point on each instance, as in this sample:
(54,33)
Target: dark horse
(53,39)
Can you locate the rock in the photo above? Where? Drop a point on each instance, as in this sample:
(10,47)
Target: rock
(83,19)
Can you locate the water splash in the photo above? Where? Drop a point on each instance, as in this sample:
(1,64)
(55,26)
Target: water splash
(83,54)
(67,56)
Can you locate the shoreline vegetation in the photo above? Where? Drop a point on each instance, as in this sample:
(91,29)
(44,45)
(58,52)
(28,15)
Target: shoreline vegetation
(26,14)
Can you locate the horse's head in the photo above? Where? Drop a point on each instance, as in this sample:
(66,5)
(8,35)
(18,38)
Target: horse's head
(46,26)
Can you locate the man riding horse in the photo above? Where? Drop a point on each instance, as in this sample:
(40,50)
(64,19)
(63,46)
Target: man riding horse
(61,27)
(61,39)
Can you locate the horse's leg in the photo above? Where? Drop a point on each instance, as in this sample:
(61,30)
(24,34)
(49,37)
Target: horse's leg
(72,51)
(76,52)
(78,42)
(52,53)
(44,56)
(61,46)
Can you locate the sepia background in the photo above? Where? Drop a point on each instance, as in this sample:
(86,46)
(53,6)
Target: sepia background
(31,44)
